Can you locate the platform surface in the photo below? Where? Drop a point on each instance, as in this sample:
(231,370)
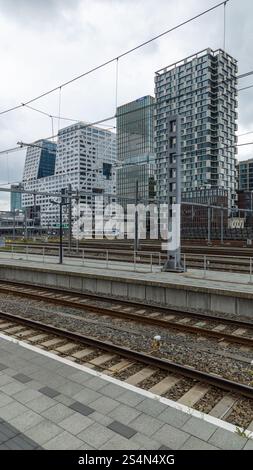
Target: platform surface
(193,279)
(46,404)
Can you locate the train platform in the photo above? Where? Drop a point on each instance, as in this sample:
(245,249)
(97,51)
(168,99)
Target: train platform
(124,270)
(49,402)
(219,292)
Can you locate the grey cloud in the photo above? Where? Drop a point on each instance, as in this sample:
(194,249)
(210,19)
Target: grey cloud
(32,7)
(36,11)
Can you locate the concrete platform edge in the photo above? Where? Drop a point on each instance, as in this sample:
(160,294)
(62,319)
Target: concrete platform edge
(190,411)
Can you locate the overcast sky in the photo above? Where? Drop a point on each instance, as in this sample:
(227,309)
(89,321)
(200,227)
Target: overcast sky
(46,42)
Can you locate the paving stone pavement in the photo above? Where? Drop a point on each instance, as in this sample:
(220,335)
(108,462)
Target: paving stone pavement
(45,404)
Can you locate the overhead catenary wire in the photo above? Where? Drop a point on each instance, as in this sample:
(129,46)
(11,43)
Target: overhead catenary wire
(111,118)
(203,88)
(245,133)
(22,145)
(59,110)
(181,154)
(116,82)
(120,56)
(245,88)
(54,116)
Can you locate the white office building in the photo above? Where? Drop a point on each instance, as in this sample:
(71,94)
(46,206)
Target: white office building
(85,157)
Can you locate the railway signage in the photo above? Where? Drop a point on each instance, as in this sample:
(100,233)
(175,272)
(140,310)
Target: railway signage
(236,222)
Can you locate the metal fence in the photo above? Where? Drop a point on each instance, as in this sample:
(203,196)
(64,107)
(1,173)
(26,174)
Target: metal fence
(208,222)
(139,261)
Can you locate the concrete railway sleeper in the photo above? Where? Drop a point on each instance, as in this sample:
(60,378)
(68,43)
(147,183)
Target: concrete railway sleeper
(242,331)
(159,376)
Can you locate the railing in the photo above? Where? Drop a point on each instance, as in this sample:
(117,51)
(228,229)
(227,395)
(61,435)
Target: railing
(110,258)
(143,261)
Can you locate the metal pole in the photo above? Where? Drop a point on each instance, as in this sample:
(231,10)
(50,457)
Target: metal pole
(204,266)
(61,245)
(107,258)
(209,222)
(250,270)
(25,223)
(136,241)
(222,227)
(14,223)
(77,237)
(70,216)
(178,186)
(35,211)
(175,262)
(151,263)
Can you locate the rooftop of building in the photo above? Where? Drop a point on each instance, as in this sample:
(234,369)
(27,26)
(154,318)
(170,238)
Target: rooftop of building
(197,55)
(243,162)
(137,100)
(83,124)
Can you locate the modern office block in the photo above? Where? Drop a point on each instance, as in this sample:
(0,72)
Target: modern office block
(135,129)
(16,199)
(135,150)
(40,160)
(85,159)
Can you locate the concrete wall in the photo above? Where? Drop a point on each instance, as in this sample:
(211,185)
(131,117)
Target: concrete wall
(155,293)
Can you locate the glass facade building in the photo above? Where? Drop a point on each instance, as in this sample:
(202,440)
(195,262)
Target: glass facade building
(47,159)
(129,175)
(40,160)
(16,198)
(202,90)
(135,150)
(135,128)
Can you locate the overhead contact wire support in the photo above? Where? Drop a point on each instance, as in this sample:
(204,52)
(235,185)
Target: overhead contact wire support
(129,51)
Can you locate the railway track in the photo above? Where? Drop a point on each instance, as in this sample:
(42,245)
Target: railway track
(203,325)
(192,246)
(207,392)
(218,258)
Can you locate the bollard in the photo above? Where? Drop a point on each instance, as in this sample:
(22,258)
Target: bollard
(151,263)
(184,262)
(107,258)
(83,256)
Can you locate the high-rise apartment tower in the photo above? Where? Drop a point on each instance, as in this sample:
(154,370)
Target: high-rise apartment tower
(202,91)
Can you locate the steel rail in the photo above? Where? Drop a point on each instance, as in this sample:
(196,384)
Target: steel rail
(153,361)
(145,320)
